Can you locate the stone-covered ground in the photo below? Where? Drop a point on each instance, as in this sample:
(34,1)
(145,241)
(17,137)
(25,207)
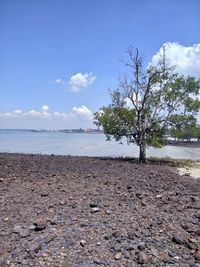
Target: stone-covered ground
(77,211)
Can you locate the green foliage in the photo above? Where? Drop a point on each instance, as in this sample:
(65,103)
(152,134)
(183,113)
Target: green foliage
(117,122)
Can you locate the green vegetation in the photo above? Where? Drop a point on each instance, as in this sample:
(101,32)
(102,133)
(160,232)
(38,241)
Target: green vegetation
(150,103)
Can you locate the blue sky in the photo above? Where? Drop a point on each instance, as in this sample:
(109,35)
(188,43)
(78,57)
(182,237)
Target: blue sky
(62,56)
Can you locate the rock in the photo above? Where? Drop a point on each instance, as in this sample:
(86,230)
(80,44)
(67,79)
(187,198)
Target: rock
(62,202)
(67,243)
(117,247)
(54,221)
(44,194)
(158,196)
(197,255)
(130,247)
(40,224)
(32,227)
(126,254)
(142,258)
(179,239)
(141,246)
(17,229)
(93,205)
(97,261)
(108,212)
(82,242)
(35,247)
(118,256)
(93,210)
(194,198)
(24,233)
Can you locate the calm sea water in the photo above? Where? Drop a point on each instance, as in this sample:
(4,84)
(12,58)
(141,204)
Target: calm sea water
(81,145)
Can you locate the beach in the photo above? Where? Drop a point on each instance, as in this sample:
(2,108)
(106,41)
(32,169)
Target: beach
(88,211)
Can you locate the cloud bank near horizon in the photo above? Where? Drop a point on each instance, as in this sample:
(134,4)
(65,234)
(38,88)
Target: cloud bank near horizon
(78,117)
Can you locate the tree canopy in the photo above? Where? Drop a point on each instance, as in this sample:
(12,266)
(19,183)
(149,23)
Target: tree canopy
(149,102)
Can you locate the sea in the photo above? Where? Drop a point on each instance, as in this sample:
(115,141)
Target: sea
(82,144)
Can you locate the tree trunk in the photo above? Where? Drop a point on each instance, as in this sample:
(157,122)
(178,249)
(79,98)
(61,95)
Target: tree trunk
(142,156)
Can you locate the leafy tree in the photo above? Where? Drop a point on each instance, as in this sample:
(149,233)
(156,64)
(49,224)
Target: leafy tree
(182,126)
(197,133)
(144,103)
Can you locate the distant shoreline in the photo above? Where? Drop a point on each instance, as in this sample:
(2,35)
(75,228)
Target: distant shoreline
(192,144)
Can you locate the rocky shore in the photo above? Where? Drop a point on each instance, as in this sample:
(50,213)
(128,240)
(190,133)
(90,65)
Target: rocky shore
(65,211)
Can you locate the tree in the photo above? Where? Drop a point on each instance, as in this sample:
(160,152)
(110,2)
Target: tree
(144,103)
(183,127)
(197,133)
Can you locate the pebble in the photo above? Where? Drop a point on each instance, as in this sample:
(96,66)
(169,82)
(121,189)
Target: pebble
(62,202)
(108,212)
(117,247)
(82,242)
(118,256)
(24,233)
(142,258)
(17,229)
(95,209)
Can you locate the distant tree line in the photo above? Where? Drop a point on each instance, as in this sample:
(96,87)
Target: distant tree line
(184,128)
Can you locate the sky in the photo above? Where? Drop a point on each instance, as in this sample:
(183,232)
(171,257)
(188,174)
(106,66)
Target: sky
(58,58)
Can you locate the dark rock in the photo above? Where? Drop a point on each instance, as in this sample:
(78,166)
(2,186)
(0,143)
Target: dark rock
(93,205)
(44,194)
(82,242)
(40,224)
(179,239)
(141,246)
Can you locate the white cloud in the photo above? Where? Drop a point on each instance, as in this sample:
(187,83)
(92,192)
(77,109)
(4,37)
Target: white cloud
(45,108)
(185,58)
(78,117)
(17,111)
(32,113)
(59,82)
(80,80)
(83,111)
